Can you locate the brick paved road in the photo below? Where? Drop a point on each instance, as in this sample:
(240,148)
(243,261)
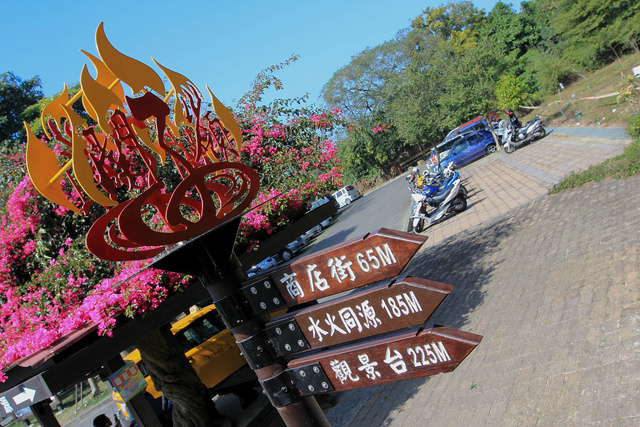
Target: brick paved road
(501,182)
(553,285)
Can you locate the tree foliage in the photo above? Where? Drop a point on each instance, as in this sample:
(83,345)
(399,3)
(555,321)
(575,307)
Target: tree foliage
(455,62)
(362,88)
(458,22)
(510,92)
(16,96)
(593,32)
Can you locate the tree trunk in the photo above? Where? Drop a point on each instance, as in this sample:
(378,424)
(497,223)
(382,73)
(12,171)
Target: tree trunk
(95,390)
(192,405)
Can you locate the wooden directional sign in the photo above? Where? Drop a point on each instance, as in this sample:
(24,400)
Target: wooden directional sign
(26,394)
(358,262)
(388,359)
(387,307)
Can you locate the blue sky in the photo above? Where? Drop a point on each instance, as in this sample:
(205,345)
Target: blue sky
(219,44)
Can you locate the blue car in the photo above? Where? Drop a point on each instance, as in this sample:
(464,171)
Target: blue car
(463,149)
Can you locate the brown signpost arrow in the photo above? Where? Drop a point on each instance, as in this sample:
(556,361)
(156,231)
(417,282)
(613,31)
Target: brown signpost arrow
(383,360)
(358,262)
(387,307)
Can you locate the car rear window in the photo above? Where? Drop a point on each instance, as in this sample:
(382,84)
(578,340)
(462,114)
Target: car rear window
(200,330)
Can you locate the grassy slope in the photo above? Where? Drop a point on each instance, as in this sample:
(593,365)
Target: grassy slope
(571,107)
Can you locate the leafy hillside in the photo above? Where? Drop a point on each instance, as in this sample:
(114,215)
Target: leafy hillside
(588,101)
(455,62)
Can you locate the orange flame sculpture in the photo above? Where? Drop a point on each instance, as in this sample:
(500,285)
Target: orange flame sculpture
(121,152)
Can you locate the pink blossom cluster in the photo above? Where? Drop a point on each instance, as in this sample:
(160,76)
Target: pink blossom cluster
(271,209)
(38,308)
(381,128)
(19,228)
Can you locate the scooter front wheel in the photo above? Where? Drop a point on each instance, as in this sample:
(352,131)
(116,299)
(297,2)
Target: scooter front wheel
(509,149)
(410,225)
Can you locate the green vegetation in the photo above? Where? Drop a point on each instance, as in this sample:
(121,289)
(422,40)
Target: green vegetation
(621,109)
(604,97)
(17,96)
(456,62)
(88,402)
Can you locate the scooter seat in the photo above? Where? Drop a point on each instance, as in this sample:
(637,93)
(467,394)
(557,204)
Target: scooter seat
(438,198)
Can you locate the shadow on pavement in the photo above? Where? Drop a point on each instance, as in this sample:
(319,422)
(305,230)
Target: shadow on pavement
(465,261)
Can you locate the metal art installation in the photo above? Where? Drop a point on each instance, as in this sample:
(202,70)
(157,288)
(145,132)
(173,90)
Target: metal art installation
(113,158)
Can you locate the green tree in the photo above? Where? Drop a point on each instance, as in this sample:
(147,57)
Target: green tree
(450,76)
(416,110)
(545,71)
(370,148)
(16,96)
(458,22)
(431,77)
(510,92)
(443,86)
(593,32)
(360,88)
(512,34)
(541,67)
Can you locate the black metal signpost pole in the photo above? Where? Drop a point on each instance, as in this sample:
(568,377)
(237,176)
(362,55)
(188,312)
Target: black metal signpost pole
(210,257)
(44,414)
(303,411)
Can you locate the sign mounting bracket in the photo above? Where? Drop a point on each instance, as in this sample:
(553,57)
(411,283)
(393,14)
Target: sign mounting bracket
(289,385)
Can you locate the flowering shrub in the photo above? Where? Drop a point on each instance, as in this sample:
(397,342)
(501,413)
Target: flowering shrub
(381,128)
(50,284)
(294,153)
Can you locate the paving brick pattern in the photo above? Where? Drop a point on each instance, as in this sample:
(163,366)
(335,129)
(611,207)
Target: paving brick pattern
(501,182)
(552,283)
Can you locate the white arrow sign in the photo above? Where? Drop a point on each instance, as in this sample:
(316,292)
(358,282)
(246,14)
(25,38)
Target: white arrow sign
(27,394)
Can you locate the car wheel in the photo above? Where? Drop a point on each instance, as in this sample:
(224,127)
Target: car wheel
(491,148)
(348,201)
(286,254)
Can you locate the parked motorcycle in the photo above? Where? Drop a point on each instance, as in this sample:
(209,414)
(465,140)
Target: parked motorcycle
(515,137)
(440,189)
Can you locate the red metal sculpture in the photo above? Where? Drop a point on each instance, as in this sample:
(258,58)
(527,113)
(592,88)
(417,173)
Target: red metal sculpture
(115,162)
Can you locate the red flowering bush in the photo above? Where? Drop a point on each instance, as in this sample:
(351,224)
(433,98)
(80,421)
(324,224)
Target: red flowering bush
(50,284)
(293,151)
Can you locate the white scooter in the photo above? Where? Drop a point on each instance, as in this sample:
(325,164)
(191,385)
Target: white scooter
(443,191)
(532,130)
